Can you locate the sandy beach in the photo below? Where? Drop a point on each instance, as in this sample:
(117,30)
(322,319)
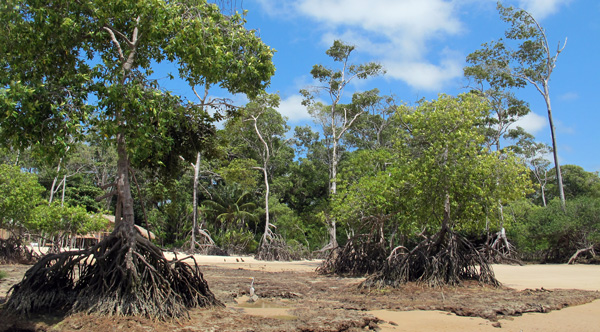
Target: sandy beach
(577,318)
(281,282)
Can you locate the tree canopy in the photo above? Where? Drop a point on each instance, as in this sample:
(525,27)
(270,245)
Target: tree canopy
(77,67)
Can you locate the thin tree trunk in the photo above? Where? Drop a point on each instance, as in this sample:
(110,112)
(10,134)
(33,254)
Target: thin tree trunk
(559,180)
(267,233)
(266,155)
(64,185)
(333,185)
(53,187)
(195,203)
(542,190)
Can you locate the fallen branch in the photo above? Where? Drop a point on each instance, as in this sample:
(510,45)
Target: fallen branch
(589,249)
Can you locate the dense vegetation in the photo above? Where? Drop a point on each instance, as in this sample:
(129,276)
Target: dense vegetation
(427,192)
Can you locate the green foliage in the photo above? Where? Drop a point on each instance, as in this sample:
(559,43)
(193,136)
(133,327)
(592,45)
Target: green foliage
(520,215)
(376,128)
(297,231)
(253,153)
(55,219)
(439,154)
(444,155)
(237,241)
(230,207)
(58,56)
(81,191)
(523,58)
(169,207)
(336,80)
(20,193)
(337,118)
(577,183)
(240,171)
(503,64)
(368,198)
(553,235)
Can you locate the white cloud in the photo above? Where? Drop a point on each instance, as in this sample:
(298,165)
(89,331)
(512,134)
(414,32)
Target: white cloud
(276,7)
(396,32)
(419,18)
(400,33)
(569,96)
(532,123)
(426,75)
(292,108)
(541,9)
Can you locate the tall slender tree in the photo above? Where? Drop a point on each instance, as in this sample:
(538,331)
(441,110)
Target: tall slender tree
(336,118)
(531,62)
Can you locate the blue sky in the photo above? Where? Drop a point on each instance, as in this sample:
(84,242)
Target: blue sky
(423,45)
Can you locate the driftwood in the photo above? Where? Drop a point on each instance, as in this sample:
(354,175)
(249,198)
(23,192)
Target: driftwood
(589,249)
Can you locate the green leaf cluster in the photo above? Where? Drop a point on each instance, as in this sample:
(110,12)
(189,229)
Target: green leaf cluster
(20,193)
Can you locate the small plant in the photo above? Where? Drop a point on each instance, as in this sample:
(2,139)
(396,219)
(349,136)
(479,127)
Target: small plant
(2,275)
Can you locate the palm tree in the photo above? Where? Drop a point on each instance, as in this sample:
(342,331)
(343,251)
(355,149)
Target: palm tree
(231,207)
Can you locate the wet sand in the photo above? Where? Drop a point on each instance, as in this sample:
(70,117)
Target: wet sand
(578,318)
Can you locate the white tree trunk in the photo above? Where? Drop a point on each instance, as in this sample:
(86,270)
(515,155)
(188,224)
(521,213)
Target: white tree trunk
(195,203)
(559,180)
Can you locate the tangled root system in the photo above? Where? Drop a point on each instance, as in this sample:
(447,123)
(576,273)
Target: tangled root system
(360,256)
(445,259)
(124,274)
(274,250)
(13,251)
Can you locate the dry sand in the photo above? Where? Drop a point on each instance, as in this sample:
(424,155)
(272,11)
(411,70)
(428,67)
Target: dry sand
(579,318)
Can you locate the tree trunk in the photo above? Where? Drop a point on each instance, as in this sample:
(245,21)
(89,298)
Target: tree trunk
(195,203)
(53,187)
(126,219)
(333,185)
(64,185)
(559,180)
(542,190)
(267,233)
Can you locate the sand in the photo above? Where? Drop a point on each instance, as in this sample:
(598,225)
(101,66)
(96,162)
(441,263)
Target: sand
(573,319)
(578,318)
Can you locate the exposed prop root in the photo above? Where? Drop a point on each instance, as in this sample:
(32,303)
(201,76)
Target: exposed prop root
(274,250)
(360,256)
(124,274)
(495,256)
(13,251)
(500,250)
(445,259)
(202,242)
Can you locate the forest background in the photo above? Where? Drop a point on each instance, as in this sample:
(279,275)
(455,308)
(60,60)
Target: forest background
(388,176)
